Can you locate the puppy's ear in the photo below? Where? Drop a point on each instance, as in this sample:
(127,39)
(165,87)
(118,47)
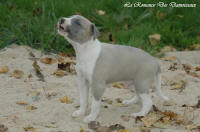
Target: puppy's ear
(94,31)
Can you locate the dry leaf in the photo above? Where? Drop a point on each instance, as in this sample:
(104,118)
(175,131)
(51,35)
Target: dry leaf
(119,85)
(125,118)
(170,58)
(150,119)
(194,74)
(93,125)
(180,16)
(170,114)
(31,107)
(3,128)
(116,127)
(173,67)
(64,66)
(21,103)
(48,60)
(187,67)
(101,12)
(65,100)
(108,101)
(33,93)
(123,130)
(30,129)
(111,38)
(82,129)
(4,69)
(193,126)
(17,74)
(60,73)
(38,72)
(195,47)
(154,38)
(178,84)
(197,68)
(167,49)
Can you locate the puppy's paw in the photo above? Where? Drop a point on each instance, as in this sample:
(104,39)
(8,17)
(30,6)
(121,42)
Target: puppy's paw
(78,113)
(137,114)
(89,119)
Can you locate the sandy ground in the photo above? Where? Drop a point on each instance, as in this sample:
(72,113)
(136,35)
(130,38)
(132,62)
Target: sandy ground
(53,116)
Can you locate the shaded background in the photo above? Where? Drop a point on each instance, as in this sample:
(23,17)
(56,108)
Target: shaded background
(32,22)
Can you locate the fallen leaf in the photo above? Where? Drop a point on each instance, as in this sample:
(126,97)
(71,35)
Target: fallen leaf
(197,68)
(4,69)
(119,85)
(3,128)
(38,72)
(170,114)
(170,58)
(155,109)
(154,38)
(64,66)
(31,107)
(82,129)
(138,118)
(150,119)
(22,103)
(173,67)
(195,47)
(123,130)
(30,129)
(125,118)
(31,54)
(17,74)
(108,101)
(187,67)
(178,84)
(60,73)
(116,127)
(33,93)
(111,38)
(194,74)
(101,12)
(48,60)
(167,49)
(119,100)
(65,100)
(93,125)
(51,94)
(193,126)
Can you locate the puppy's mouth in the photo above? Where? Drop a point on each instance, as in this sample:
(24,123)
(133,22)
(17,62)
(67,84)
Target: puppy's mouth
(61,28)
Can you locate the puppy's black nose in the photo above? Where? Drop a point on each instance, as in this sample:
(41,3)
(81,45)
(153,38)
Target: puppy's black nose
(62,20)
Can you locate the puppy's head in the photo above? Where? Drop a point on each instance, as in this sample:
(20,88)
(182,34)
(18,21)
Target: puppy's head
(77,29)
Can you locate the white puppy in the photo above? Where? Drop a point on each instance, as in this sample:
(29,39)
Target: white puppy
(99,64)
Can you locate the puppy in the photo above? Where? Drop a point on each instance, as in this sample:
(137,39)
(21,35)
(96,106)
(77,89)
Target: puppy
(99,64)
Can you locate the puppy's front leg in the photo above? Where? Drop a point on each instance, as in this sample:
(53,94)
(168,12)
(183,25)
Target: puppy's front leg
(97,90)
(83,89)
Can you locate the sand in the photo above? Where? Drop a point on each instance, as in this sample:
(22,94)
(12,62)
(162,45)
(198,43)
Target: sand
(53,116)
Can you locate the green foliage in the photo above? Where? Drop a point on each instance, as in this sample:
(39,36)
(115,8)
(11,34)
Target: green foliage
(32,22)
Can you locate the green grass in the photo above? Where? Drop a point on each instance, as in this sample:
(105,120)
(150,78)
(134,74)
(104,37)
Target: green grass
(179,27)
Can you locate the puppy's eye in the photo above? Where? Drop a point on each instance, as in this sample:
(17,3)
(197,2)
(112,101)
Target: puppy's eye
(77,22)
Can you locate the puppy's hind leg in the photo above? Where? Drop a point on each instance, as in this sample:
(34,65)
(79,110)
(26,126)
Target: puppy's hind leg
(134,100)
(142,90)
(97,90)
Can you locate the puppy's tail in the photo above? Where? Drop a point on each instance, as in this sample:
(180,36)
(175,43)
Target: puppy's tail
(158,86)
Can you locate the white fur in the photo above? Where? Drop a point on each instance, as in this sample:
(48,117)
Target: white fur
(158,87)
(146,105)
